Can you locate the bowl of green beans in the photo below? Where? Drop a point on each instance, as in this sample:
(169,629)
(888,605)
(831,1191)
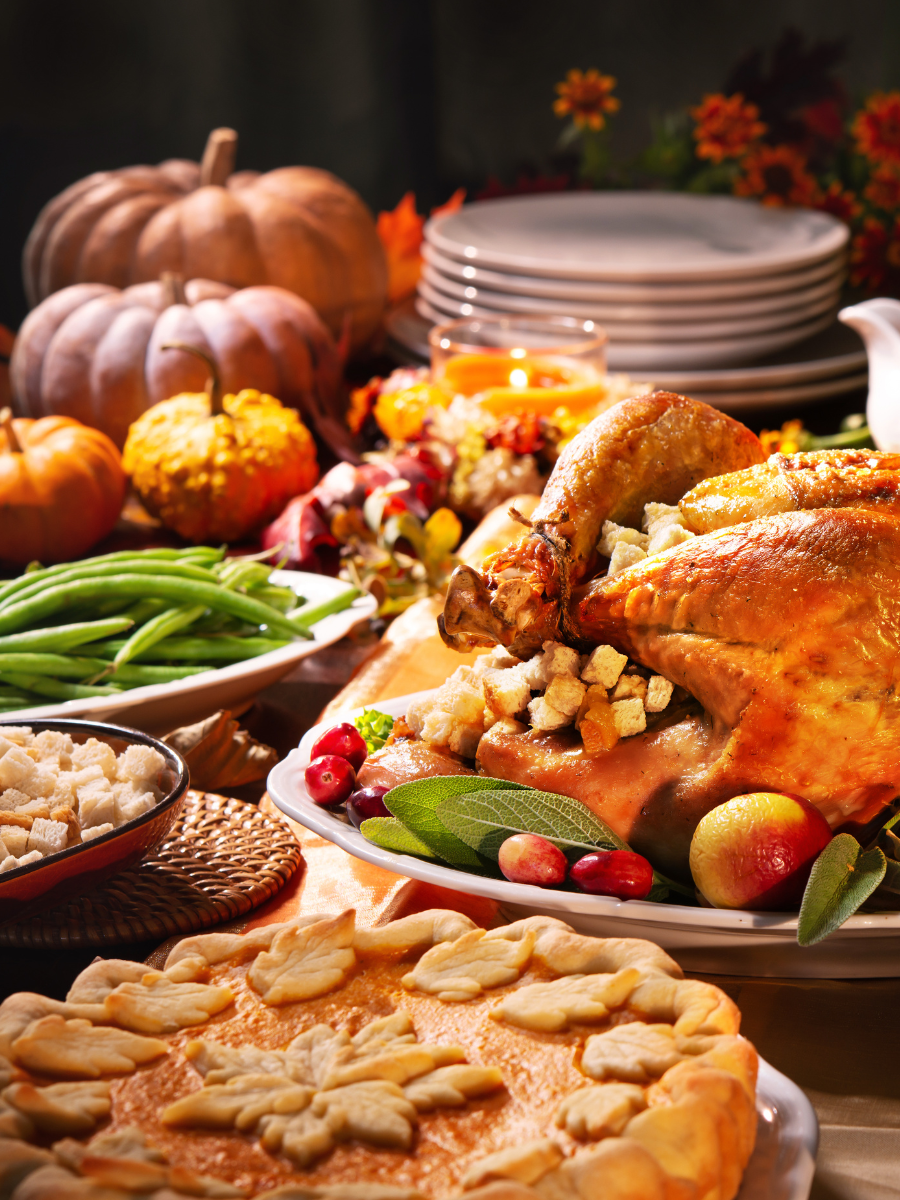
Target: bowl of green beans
(162,637)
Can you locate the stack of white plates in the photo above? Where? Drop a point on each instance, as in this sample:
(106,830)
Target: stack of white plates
(682,284)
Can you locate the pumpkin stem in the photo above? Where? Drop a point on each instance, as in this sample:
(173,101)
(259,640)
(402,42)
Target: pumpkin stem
(218,157)
(13,443)
(213,384)
(173,288)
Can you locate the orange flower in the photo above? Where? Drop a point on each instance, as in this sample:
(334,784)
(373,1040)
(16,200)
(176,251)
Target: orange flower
(726,126)
(883,188)
(778,176)
(875,255)
(587,96)
(841,204)
(877,128)
(786,440)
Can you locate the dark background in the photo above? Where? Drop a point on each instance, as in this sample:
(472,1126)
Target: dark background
(388,94)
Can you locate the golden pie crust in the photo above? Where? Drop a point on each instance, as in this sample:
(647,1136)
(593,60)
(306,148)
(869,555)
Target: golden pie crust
(599,1071)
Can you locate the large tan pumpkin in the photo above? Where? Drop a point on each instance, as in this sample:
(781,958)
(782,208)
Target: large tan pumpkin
(296,227)
(95,353)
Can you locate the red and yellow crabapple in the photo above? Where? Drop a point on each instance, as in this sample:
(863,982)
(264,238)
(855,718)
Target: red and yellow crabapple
(529,858)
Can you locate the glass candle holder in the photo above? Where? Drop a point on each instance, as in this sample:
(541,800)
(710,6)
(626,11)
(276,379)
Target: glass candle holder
(515,364)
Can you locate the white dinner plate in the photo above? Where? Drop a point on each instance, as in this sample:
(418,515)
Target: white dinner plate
(658,355)
(806,393)
(162,707)
(625,329)
(709,940)
(797,301)
(637,236)
(787,1139)
(626,293)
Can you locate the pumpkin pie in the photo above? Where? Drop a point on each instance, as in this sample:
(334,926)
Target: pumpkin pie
(425,1058)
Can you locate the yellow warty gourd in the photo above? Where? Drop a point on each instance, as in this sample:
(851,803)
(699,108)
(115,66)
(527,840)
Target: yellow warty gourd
(215,468)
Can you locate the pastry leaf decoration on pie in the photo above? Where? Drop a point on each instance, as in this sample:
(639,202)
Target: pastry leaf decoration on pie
(415,804)
(842,878)
(484,819)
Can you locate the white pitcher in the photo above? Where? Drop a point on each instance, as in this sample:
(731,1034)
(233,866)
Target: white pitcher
(878,324)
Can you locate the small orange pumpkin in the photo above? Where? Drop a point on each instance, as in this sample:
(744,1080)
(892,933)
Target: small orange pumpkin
(61,488)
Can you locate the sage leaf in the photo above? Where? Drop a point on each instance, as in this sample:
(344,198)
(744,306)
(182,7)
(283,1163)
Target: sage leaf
(415,804)
(484,819)
(842,878)
(891,882)
(391,834)
(663,887)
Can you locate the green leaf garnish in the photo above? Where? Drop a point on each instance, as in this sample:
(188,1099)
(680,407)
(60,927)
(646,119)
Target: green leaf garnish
(391,834)
(415,804)
(842,878)
(375,728)
(484,819)
(663,886)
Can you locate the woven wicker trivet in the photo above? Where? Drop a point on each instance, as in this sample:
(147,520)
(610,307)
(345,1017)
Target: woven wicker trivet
(222,859)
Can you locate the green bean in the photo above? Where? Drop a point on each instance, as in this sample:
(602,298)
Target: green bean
(139,674)
(208,553)
(63,637)
(200,649)
(62,596)
(145,609)
(140,567)
(55,688)
(59,665)
(169,621)
(304,617)
(13,704)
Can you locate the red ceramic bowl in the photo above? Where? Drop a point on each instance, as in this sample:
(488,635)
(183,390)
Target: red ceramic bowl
(79,869)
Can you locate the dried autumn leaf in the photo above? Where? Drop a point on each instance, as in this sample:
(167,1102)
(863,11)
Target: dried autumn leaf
(221,754)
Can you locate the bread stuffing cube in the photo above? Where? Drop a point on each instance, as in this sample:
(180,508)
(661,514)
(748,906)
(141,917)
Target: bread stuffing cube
(629,716)
(656,516)
(51,746)
(416,713)
(131,802)
(12,799)
(604,666)
(545,717)
(623,557)
(18,735)
(462,698)
(9,863)
(565,694)
(499,658)
(140,764)
(630,685)
(15,838)
(30,857)
(559,660)
(64,791)
(532,671)
(464,740)
(668,537)
(47,836)
(34,808)
(508,725)
(505,692)
(438,727)
(16,768)
(612,534)
(659,693)
(95,831)
(96,803)
(42,782)
(96,753)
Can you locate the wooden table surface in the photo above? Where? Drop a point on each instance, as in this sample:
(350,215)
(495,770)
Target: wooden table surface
(833,1038)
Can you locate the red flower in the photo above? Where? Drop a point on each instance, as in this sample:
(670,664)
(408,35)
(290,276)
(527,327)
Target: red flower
(778,176)
(883,188)
(841,204)
(726,126)
(875,256)
(587,96)
(877,128)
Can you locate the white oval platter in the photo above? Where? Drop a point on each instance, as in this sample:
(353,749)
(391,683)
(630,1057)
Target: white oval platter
(710,940)
(162,707)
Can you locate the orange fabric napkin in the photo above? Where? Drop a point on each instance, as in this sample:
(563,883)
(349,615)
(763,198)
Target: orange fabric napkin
(332,880)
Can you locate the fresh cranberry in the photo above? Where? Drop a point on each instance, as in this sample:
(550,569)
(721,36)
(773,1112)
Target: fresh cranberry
(345,741)
(528,858)
(367,802)
(620,873)
(329,779)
